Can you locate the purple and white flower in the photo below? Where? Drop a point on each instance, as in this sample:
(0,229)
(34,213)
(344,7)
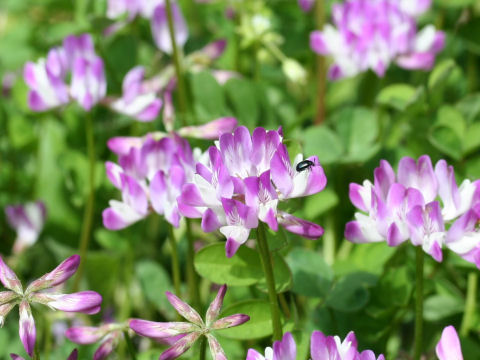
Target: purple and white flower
(186,333)
(27,220)
(419,203)
(156,12)
(87,302)
(321,348)
(244,179)
(47,78)
(372,34)
(137,101)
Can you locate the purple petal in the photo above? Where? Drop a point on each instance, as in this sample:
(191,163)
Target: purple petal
(184,309)
(9,279)
(85,334)
(210,131)
(318,43)
(160,30)
(27,329)
(299,226)
(230,321)
(73,355)
(105,348)
(448,348)
(216,305)
(306,5)
(215,348)
(161,329)
(87,302)
(57,276)
(285,349)
(180,346)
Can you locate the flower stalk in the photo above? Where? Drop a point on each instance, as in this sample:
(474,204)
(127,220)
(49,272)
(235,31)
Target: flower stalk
(419,304)
(182,98)
(130,347)
(175,261)
(89,207)
(470,303)
(192,282)
(266,258)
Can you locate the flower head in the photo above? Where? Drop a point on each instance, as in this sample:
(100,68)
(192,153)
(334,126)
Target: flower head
(321,348)
(28,221)
(87,302)
(243,181)
(108,334)
(420,203)
(186,333)
(372,34)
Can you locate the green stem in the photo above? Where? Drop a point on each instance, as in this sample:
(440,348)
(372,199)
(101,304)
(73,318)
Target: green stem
(175,262)
(470,304)
(419,304)
(36,354)
(89,207)
(182,97)
(192,279)
(130,347)
(203,348)
(266,258)
(321,68)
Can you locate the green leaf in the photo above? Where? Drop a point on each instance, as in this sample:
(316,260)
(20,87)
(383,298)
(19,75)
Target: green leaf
(455,3)
(111,240)
(365,257)
(437,307)
(448,132)
(242,269)
(470,32)
(242,95)
(440,74)
(323,142)
(471,140)
(351,293)
(311,275)
(318,204)
(208,95)
(20,131)
(154,281)
(358,128)
(395,287)
(259,325)
(102,271)
(397,96)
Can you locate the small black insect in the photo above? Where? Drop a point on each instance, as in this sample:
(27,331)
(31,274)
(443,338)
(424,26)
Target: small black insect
(304,165)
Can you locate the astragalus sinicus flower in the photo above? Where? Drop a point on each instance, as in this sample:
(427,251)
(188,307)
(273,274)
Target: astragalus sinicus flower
(321,348)
(243,181)
(151,172)
(87,302)
(27,220)
(420,203)
(371,34)
(108,334)
(189,332)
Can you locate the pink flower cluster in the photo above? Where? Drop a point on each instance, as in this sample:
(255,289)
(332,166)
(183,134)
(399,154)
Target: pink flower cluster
(156,11)
(371,34)
(243,181)
(321,348)
(77,60)
(333,348)
(418,203)
(47,78)
(152,170)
